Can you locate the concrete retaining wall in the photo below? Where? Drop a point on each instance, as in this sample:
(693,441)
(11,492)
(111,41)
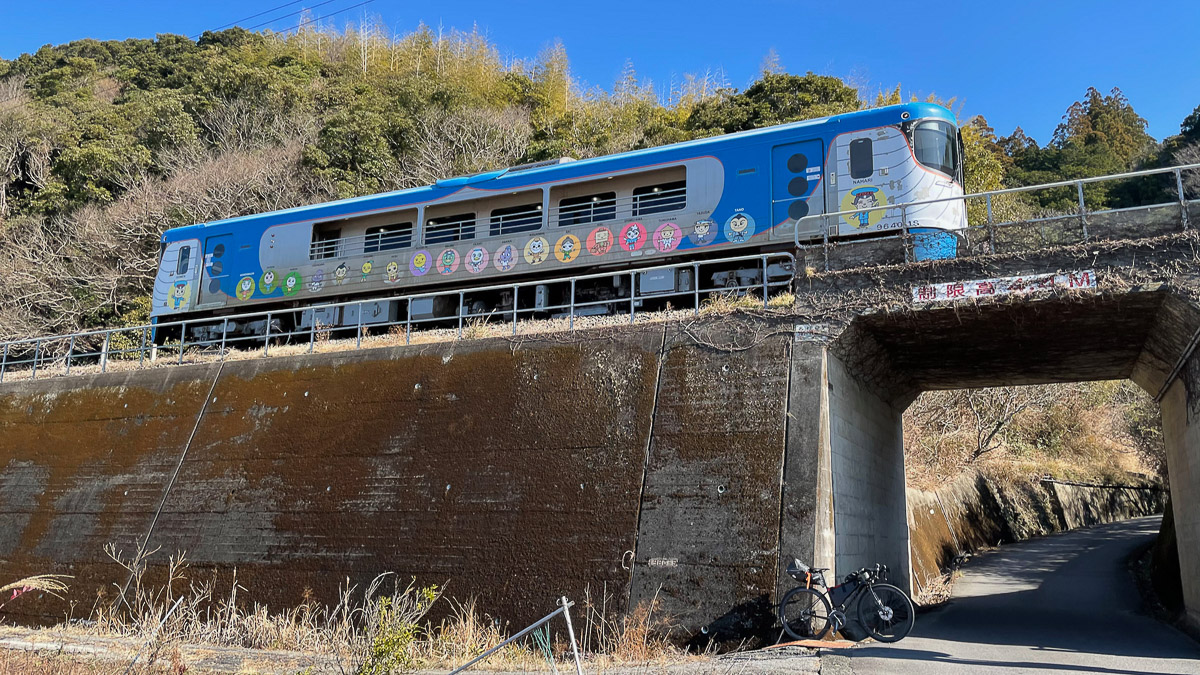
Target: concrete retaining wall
(971,512)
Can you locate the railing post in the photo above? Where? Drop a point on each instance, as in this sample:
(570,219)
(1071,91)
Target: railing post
(696,288)
(103,351)
(182,339)
(408,322)
(224,335)
(460,314)
(70,349)
(571,634)
(632,296)
(142,349)
(825,240)
(571,321)
(267,336)
(37,347)
(766,289)
(1082,210)
(312,329)
(516,290)
(905,239)
(358,336)
(990,224)
(4,362)
(1182,198)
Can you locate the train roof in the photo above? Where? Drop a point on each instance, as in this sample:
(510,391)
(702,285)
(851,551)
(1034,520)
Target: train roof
(400,198)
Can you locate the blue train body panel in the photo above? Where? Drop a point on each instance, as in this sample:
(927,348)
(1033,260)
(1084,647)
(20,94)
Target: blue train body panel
(746,190)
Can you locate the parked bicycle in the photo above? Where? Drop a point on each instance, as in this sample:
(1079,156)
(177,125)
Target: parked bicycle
(808,611)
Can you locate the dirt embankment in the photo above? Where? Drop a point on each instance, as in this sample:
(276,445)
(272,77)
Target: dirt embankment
(973,511)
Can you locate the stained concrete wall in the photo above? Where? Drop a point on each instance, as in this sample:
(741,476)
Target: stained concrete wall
(1181,434)
(867,449)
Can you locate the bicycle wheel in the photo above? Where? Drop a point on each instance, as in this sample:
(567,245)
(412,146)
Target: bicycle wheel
(886,612)
(804,613)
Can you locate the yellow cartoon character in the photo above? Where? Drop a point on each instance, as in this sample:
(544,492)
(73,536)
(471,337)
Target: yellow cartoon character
(393,272)
(865,197)
(366,269)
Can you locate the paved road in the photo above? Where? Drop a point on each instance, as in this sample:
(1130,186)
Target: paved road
(1059,604)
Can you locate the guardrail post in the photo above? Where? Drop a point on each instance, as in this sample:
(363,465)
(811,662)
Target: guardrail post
(825,240)
(571,634)
(224,334)
(103,351)
(142,348)
(990,224)
(516,290)
(70,349)
(766,290)
(182,339)
(312,329)
(1182,198)
(905,238)
(571,322)
(358,336)
(267,336)
(696,288)
(408,322)
(4,362)
(632,296)
(37,347)
(1082,210)
(460,314)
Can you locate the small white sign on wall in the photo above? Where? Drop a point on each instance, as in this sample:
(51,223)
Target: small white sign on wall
(953,291)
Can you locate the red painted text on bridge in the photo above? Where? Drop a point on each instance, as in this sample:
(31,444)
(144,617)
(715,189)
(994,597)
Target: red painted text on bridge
(985,288)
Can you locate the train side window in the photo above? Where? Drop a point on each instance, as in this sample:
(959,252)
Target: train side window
(388,237)
(512,219)
(587,209)
(459,227)
(185,258)
(326,241)
(659,198)
(862,160)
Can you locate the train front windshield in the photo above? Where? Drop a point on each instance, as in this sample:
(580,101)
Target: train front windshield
(935,145)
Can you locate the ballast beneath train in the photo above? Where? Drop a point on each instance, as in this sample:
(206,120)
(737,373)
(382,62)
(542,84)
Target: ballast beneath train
(753,191)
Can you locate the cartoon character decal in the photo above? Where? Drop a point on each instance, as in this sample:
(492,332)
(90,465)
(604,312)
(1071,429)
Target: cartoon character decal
(339,274)
(447,261)
(245,288)
(419,264)
(366,269)
(666,237)
(393,272)
(506,257)
(268,282)
(180,294)
(567,248)
(600,241)
(633,235)
(536,250)
(739,228)
(865,197)
(317,281)
(703,232)
(292,283)
(477,260)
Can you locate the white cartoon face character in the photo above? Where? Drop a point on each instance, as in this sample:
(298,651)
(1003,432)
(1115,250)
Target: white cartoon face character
(269,278)
(290,284)
(633,234)
(393,271)
(537,246)
(666,237)
(179,291)
(339,274)
(317,282)
(738,225)
(702,228)
(568,248)
(246,285)
(476,257)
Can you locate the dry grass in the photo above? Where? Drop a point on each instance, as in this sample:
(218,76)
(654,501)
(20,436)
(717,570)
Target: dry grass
(936,591)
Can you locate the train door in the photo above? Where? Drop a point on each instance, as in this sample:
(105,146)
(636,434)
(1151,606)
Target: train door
(797,192)
(216,269)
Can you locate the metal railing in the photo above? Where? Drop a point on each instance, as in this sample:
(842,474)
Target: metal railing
(59,354)
(564,606)
(827,230)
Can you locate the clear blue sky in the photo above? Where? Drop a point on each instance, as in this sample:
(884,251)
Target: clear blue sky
(1016,63)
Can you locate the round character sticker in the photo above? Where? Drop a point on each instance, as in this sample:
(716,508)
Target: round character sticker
(633,235)
(703,232)
(317,281)
(536,250)
(739,228)
(420,263)
(447,261)
(600,241)
(666,237)
(268,282)
(865,197)
(567,248)
(477,260)
(506,257)
(393,272)
(245,288)
(292,283)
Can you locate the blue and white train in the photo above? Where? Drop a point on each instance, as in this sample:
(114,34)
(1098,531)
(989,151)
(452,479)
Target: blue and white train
(716,197)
